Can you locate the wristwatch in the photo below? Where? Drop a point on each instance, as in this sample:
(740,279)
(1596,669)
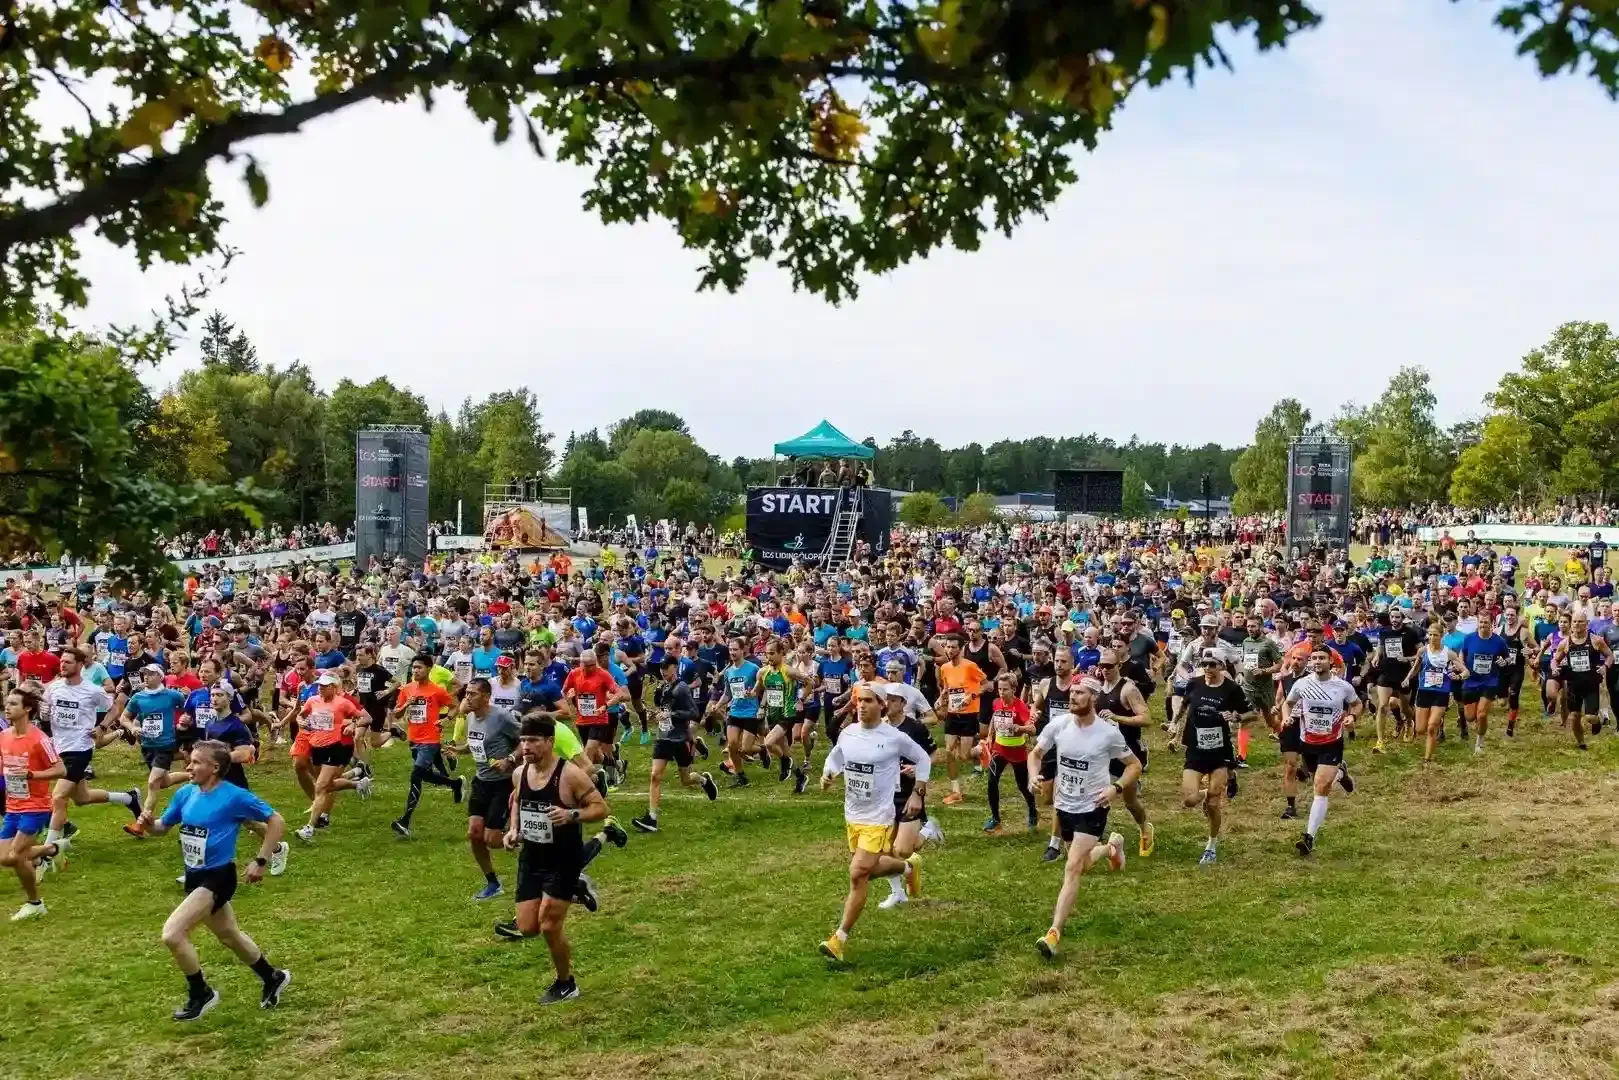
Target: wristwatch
(260,861)
(574,815)
(1117,788)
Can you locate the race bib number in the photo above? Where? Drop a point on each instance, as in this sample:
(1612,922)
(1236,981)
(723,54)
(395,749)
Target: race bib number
(418,711)
(151,725)
(1580,662)
(463,670)
(1318,719)
(860,781)
(1433,679)
(475,744)
(362,682)
(205,715)
(739,688)
(1071,772)
(17,782)
(1210,738)
(1484,665)
(1004,723)
(534,823)
(832,685)
(1250,659)
(1394,648)
(321,720)
(958,700)
(775,697)
(117,659)
(587,704)
(193,845)
(666,724)
(64,710)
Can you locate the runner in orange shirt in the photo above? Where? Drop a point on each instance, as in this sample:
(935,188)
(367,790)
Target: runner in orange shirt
(329,718)
(960,683)
(31,766)
(421,703)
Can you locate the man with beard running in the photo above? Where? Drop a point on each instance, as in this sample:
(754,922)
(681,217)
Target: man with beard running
(73,704)
(1119,702)
(1210,706)
(1085,748)
(491,735)
(1327,705)
(675,710)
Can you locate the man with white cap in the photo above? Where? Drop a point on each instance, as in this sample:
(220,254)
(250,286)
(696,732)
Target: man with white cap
(150,715)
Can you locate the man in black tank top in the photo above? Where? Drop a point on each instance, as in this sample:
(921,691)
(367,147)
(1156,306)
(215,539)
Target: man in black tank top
(987,655)
(1121,703)
(553,797)
(1054,689)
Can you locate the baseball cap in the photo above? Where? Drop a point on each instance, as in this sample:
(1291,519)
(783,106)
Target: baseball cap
(152,669)
(505,661)
(1211,656)
(327,678)
(1209,621)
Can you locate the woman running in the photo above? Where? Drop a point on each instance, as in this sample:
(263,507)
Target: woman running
(1439,667)
(1010,726)
(210,812)
(1579,660)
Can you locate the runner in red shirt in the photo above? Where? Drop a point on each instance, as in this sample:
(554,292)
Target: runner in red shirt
(329,718)
(31,766)
(586,693)
(34,662)
(300,675)
(1009,729)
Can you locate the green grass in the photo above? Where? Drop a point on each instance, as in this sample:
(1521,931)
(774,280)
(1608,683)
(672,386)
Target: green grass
(1452,922)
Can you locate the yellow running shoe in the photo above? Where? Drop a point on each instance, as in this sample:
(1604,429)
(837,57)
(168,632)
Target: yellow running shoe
(832,948)
(1377,747)
(913,875)
(1149,836)
(1047,943)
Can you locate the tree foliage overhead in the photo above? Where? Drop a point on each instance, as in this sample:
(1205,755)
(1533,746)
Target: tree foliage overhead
(1260,471)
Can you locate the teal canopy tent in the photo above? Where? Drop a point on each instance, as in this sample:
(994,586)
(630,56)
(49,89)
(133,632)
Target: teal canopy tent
(824,441)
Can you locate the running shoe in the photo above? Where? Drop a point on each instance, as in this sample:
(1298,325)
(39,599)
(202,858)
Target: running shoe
(457,789)
(832,948)
(992,826)
(892,900)
(586,894)
(508,930)
(1051,854)
(739,780)
(1231,785)
(646,738)
(1149,837)
(490,890)
(402,829)
(271,997)
(931,831)
(1115,851)
(1242,763)
(1346,781)
(1305,845)
(702,747)
(306,834)
(195,1007)
(644,824)
(913,875)
(1207,858)
(615,832)
(725,767)
(278,859)
(398,733)
(362,787)
(711,789)
(560,991)
(1289,813)
(1034,820)
(323,822)
(800,780)
(134,829)
(29,910)
(786,768)
(134,802)
(1047,943)
(601,782)
(1377,747)
(953,799)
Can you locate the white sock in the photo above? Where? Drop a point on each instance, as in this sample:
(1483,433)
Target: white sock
(841,933)
(1318,814)
(896,882)
(1479,742)
(1056,842)
(955,785)
(1210,845)
(52,835)
(120,798)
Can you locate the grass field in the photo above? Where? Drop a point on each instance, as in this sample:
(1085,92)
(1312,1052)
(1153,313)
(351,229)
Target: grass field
(1458,921)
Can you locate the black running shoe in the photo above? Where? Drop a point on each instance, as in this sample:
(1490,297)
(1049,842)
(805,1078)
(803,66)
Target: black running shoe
(560,991)
(711,789)
(402,829)
(586,893)
(601,782)
(1242,763)
(1346,781)
(786,768)
(508,930)
(1511,729)
(1305,845)
(271,997)
(135,802)
(457,789)
(195,1006)
(398,732)
(1231,785)
(764,758)
(725,767)
(702,747)
(323,822)
(644,824)
(739,780)
(69,830)
(800,780)
(615,832)
(1289,813)
(451,762)
(1051,854)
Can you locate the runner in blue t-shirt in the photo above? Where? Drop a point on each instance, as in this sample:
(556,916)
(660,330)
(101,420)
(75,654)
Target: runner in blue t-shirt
(742,711)
(150,716)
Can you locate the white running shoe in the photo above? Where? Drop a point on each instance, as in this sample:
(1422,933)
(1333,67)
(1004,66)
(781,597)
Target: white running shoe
(1115,851)
(363,787)
(893,900)
(278,859)
(29,911)
(931,831)
(307,834)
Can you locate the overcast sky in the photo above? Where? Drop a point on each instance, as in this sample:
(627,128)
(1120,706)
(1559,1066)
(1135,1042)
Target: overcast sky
(1395,188)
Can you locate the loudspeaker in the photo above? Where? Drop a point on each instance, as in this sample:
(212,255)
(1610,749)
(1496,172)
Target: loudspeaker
(1088,491)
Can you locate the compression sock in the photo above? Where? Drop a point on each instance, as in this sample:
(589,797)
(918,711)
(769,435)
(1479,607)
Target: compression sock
(1318,814)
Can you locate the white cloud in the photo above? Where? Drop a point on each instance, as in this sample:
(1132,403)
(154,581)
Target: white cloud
(1396,188)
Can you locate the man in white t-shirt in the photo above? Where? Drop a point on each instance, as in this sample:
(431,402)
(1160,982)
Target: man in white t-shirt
(1085,746)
